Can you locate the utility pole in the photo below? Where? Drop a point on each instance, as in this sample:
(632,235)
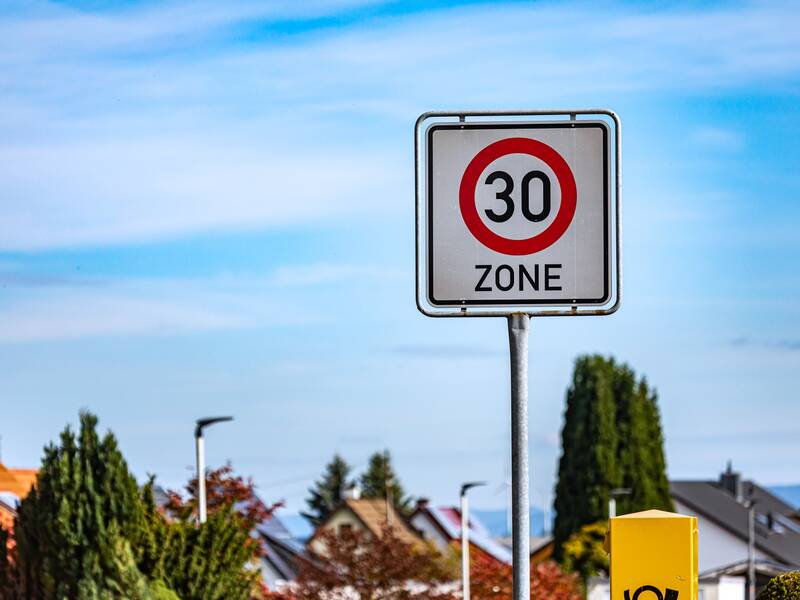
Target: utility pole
(200,451)
(387,482)
(465,536)
(751,549)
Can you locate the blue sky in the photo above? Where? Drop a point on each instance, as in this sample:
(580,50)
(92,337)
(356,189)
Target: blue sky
(207,207)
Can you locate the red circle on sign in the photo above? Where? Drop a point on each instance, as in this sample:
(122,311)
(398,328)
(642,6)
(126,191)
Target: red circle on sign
(566,210)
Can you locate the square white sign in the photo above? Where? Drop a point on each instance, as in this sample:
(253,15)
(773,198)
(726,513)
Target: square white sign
(518,214)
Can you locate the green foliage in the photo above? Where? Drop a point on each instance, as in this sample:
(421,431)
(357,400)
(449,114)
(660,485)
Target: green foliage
(68,527)
(783,587)
(327,492)
(379,477)
(210,562)
(87,532)
(583,552)
(611,438)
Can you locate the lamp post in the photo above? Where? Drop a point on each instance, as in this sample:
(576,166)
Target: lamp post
(612,499)
(465,536)
(199,446)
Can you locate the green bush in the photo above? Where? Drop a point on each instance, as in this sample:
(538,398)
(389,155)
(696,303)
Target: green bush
(782,587)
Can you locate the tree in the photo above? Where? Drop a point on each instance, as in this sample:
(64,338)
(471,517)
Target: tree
(213,561)
(328,491)
(491,580)
(374,567)
(611,438)
(584,551)
(785,586)
(86,531)
(224,489)
(380,477)
(72,525)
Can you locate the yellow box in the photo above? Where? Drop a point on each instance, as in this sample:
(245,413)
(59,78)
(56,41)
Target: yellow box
(653,556)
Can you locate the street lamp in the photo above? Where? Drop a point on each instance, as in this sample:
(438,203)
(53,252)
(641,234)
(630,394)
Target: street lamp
(465,536)
(612,499)
(199,446)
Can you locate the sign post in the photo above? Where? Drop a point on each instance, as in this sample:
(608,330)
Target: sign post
(517,215)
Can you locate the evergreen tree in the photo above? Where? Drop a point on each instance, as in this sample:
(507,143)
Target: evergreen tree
(611,438)
(328,491)
(379,477)
(68,528)
(87,532)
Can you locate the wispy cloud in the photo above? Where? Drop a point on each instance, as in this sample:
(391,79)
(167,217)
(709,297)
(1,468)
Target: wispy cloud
(783,344)
(159,121)
(718,138)
(325,273)
(43,306)
(151,307)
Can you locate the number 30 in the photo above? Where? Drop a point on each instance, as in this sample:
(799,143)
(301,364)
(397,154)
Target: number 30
(505,196)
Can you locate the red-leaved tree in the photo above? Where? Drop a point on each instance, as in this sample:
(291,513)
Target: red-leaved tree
(491,580)
(223,489)
(360,565)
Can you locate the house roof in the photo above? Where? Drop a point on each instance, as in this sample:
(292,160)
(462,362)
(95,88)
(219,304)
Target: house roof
(372,513)
(282,551)
(16,481)
(715,503)
(764,567)
(447,520)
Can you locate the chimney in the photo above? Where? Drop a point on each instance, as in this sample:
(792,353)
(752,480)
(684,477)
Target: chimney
(352,492)
(422,503)
(731,481)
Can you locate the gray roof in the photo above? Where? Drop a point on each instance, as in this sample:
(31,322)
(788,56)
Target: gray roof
(713,502)
(283,551)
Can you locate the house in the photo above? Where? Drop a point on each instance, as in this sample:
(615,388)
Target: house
(721,508)
(442,527)
(370,515)
(283,554)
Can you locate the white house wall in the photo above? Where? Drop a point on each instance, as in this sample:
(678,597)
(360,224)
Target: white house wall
(430,533)
(717,546)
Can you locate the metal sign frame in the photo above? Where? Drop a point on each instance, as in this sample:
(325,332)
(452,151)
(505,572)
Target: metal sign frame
(422,200)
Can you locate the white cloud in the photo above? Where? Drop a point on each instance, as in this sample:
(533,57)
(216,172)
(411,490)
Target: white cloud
(308,275)
(157,122)
(142,308)
(40,307)
(717,138)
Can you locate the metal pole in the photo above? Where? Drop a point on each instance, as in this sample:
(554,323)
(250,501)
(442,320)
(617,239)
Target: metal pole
(464,546)
(518,326)
(199,443)
(751,551)
(612,507)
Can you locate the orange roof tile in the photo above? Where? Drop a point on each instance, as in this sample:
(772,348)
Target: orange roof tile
(27,477)
(16,481)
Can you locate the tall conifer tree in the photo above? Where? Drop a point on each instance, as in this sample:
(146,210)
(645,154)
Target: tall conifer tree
(84,506)
(380,475)
(328,491)
(611,438)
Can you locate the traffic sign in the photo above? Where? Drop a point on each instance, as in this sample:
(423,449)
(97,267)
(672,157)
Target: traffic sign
(512,216)
(518,215)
